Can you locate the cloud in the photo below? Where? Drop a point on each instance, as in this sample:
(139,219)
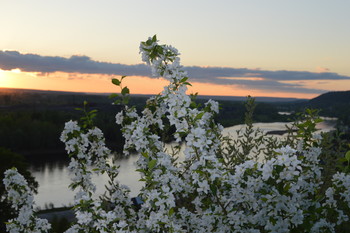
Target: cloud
(279,75)
(322,69)
(75,64)
(247,78)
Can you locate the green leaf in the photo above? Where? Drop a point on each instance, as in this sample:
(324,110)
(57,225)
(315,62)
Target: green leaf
(126,100)
(152,164)
(125,91)
(199,116)
(199,172)
(171,211)
(347,155)
(154,38)
(144,154)
(287,187)
(318,120)
(117,102)
(116,81)
(214,189)
(273,221)
(183,80)
(111,96)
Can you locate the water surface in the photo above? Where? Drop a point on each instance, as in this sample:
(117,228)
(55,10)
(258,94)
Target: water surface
(53,177)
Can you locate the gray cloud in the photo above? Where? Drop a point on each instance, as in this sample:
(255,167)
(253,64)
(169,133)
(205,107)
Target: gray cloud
(81,64)
(247,78)
(280,75)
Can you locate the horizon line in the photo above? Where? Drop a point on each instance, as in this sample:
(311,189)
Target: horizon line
(152,94)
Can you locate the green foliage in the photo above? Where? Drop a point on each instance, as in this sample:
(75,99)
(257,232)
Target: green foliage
(31,130)
(250,107)
(303,129)
(86,121)
(233,113)
(124,97)
(335,154)
(307,127)
(251,143)
(347,157)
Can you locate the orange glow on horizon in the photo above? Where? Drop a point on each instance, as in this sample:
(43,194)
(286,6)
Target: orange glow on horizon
(99,83)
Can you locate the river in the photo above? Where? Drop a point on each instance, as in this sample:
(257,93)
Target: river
(53,177)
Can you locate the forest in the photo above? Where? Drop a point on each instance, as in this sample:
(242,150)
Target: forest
(32,121)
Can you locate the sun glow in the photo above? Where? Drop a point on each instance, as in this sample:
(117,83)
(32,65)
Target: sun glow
(4,81)
(17,71)
(8,78)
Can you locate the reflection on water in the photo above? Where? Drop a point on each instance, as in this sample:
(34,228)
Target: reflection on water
(52,174)
(53,177)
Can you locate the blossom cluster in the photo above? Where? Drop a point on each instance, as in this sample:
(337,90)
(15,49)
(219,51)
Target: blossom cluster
(198,190)
(22,199)
(89,155)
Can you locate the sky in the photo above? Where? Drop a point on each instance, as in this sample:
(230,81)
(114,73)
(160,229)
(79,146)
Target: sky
(277,48)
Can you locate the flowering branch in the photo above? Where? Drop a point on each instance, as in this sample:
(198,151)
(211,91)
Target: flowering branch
(199,188)
(21,197)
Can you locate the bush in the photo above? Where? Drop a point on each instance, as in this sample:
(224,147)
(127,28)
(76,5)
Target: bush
(255,184)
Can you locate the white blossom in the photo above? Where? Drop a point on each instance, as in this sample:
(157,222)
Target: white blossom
(202,192)
(21,197)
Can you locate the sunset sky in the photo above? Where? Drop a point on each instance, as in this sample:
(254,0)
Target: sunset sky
(279,48)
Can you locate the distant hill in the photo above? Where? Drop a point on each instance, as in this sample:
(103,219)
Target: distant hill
(331,98)
(336,104)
